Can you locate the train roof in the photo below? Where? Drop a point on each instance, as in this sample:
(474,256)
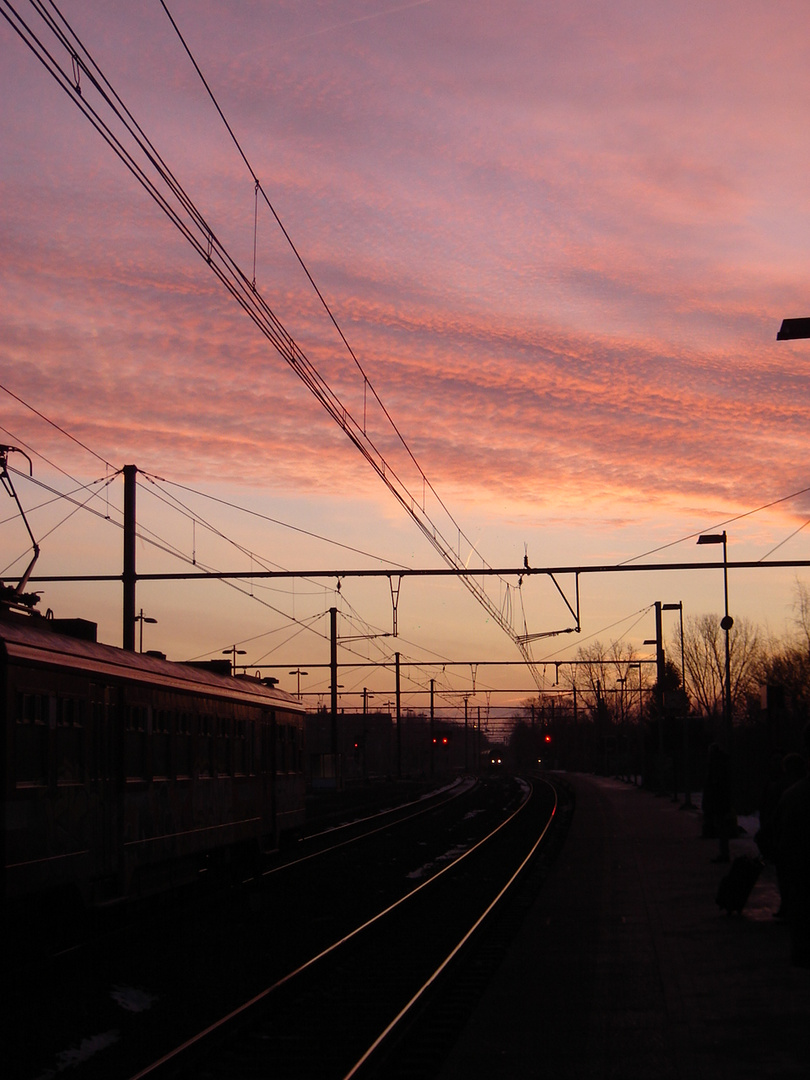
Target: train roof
(25,639)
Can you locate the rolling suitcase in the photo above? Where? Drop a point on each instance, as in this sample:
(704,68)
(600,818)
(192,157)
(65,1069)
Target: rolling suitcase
(736,886)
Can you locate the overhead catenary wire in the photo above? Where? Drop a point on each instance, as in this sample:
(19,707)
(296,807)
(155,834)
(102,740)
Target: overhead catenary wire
(36,453)
(170,499)
(145,534)
(76,508)
(58,496)
(167,192)
(637,615)
(722,524)
(781,543)
(58,427)
(266,517)
(77,83)
(181,508)
(63,496)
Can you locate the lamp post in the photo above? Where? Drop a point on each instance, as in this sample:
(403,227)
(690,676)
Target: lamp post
(726,623)
(141,618)
(299,673)
(234,652)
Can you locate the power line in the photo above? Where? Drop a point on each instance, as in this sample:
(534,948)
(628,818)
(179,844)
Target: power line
(271,520)
(48,461)
(58,427)
(722,524)
(173,200)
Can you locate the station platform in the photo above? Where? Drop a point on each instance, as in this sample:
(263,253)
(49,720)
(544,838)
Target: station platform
(626,968)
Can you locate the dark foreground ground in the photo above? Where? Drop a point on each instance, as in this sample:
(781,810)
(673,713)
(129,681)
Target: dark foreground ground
(625,967)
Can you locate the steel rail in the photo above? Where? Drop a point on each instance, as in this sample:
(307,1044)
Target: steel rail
(416,998)
(241,1012)
(450,795)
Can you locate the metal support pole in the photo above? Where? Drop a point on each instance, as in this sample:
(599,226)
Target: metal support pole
(129,576)
(334,686)
(727,623)
(659,693)
(399,721)
(478,742)
(432,730)
(466,754)
(687,794)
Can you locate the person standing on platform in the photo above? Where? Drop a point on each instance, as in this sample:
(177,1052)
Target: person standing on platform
(791,770)
(792,832)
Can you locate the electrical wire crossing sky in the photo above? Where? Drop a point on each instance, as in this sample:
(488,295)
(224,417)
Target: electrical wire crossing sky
(558,247)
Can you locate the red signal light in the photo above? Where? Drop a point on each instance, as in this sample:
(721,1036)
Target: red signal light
(548,738)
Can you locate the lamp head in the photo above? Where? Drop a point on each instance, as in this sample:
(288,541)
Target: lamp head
(712,538)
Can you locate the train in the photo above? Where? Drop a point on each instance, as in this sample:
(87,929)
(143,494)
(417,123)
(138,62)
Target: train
(128,774)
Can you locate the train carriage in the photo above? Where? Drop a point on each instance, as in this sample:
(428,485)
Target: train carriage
(128,774)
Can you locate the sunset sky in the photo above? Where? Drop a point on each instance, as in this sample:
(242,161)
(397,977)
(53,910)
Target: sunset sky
(559,239)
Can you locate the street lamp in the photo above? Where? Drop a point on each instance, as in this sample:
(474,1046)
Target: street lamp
(793,328)
(299,673)
(141,618)
(726,623)
(234,652)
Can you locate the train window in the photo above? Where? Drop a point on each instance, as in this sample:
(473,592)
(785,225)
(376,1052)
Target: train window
(240,763)
(292,751)
(253,747)
(100,763)
(298,733)
(69,740)
(183,744)
(31,740)
(223,746)
(161,734)
(283,748)
(135,742)
(204,757)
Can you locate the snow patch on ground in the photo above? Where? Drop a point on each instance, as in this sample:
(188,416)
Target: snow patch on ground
(87,1048)
(427,869)
(132,998)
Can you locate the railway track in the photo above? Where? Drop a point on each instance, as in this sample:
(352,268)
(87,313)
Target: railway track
(303,972)
(362,1007)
